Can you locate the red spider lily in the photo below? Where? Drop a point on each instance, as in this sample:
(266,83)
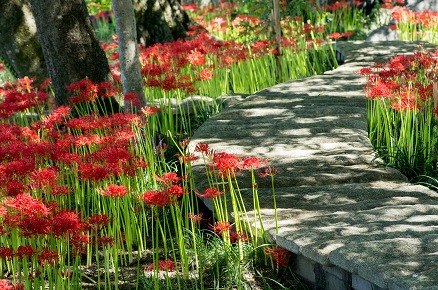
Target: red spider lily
(251,163)
(337,5)
(202,147)
(14,187)
(85,90)
(186,158)
(226,163)
(96,221)
(334,35)
(148,111)
(156,198)
(196,218)
(58,190)
(269,171)
(281,256)
(133,98)
(47,256)
(3,211)
(163,265)
(93,172)
(58,116)
(24,251)
(27,205)
(239,237)
(169,177)
(114,191)
(206,74)
(175,190)
(184,143)
(79,241)
(44,177)
(221,227)
(33,226)
(18,167)
(6,285)
(105,241)
(211,192)
(6,253)
(65,221)
(195,57)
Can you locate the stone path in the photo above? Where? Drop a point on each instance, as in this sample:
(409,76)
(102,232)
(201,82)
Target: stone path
(351,223)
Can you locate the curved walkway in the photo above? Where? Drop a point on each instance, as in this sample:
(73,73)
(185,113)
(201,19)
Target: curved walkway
(351,223)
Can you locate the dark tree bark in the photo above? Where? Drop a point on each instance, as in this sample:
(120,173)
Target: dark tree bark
(19,46)
(70,47)
(160,21)
(67,41)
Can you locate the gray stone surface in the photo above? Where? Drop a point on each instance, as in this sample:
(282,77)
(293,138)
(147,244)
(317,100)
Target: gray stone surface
(337,207)
(385,33)
(422,5)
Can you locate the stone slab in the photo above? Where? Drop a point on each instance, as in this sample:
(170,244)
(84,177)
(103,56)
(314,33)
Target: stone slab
(337,205)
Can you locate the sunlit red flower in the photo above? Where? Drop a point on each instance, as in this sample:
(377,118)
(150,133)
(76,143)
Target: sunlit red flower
(195,57)
(114,191)
(206,74)
(89,171)
(150,110)
(169,177)
(7,285)
(27,205)
(251,163)
(175,190)
(202,147)
(222,227)
(44,177)
(211,192)
(334,35)
(226,163)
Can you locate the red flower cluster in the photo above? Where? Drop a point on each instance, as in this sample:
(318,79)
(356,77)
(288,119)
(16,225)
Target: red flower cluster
(6,285)
(114,191)
(163,265)
(281,256)
(405,82)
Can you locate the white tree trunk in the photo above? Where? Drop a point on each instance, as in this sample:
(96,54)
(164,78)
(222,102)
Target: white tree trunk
(128,51)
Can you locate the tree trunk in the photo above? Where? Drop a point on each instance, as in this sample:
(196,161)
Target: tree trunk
(19,46)
(70,47)
(128,52)
(160,21)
